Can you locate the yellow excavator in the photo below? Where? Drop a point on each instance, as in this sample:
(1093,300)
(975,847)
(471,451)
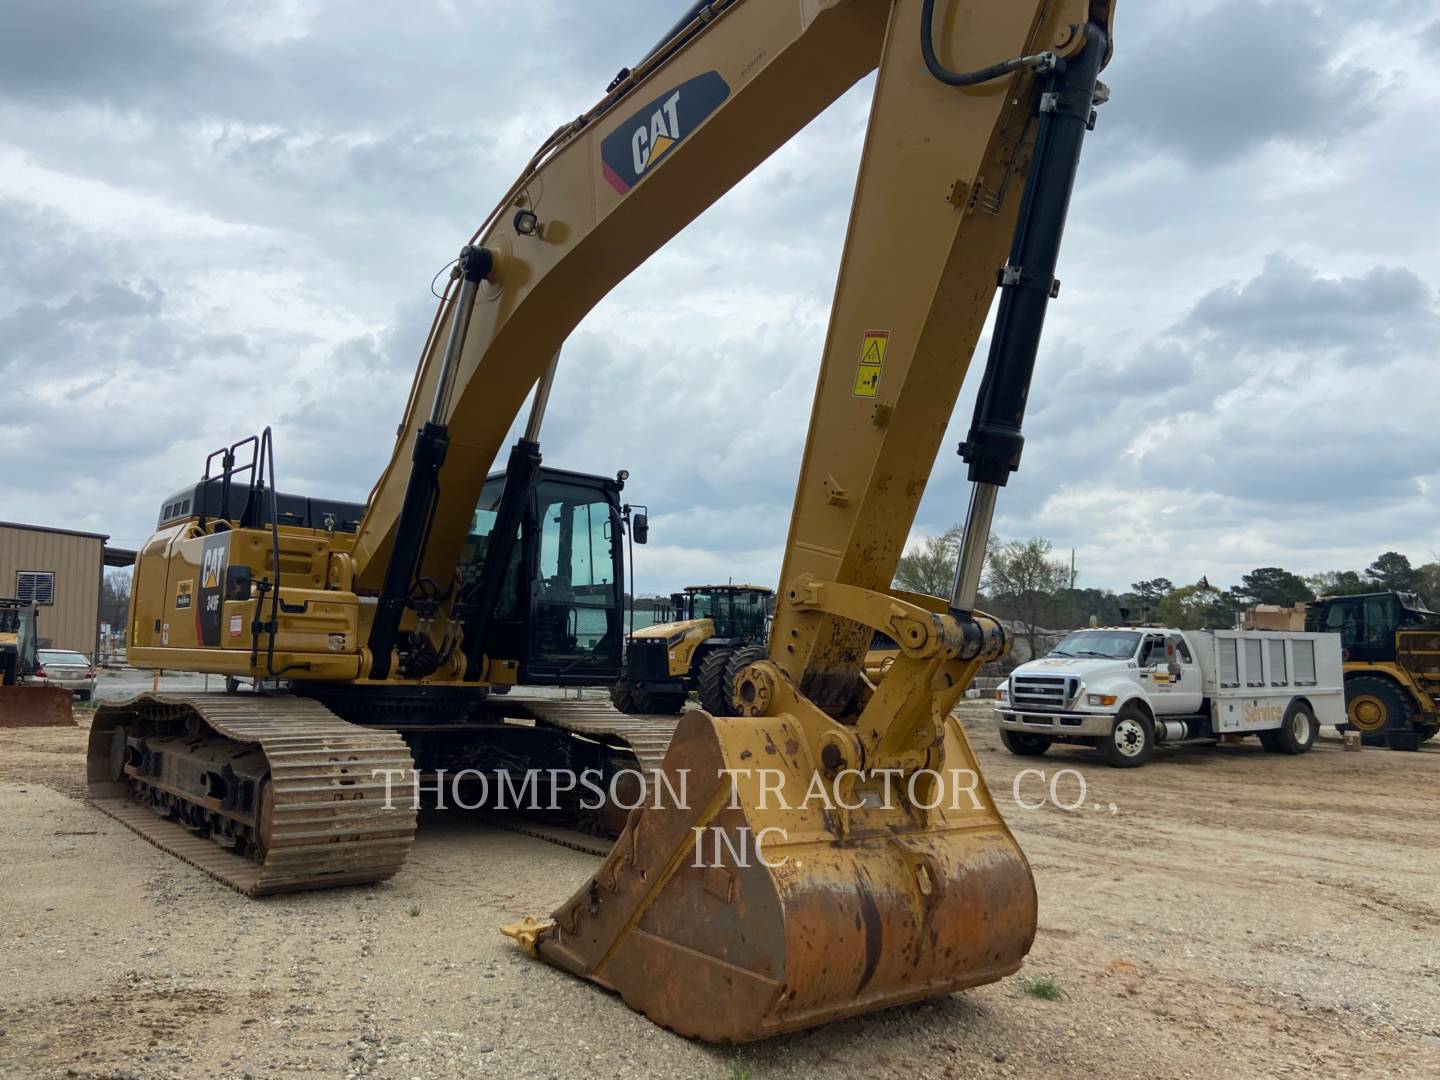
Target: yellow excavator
(828,852)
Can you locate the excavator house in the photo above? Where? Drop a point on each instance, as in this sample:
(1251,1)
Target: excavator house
(378,633)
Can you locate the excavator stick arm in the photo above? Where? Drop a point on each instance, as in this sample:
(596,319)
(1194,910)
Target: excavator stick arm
(836,851)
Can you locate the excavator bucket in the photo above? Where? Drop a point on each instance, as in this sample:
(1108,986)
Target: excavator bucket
(762,890)
(35,706)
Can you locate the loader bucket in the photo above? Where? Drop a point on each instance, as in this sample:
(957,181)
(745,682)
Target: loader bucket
(35,706)
(686,922)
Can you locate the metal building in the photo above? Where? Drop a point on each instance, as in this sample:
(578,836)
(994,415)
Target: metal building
(61,571)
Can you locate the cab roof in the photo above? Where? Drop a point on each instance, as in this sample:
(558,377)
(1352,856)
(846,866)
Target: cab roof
(730,588)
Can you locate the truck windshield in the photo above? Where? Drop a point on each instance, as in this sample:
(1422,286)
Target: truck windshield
(1105,644)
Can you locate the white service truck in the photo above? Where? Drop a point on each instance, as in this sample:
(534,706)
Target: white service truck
(1125,690)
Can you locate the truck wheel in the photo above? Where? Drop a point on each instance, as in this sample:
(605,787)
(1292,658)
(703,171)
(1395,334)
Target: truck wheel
(716,697)
(1131,742)
(1297,731)
(1376,708)
(1023,744)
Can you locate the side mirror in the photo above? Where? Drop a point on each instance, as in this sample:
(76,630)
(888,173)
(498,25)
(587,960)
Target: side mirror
(640,527)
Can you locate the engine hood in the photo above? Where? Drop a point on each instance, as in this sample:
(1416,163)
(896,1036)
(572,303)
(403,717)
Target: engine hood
(665,630)
(1085,666)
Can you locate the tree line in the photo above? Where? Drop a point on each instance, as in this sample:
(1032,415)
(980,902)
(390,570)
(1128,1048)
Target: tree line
(1025,583)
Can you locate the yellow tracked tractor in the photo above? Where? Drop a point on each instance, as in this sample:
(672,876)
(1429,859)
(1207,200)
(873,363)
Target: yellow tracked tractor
(831,850)
(24,704)
(709,635)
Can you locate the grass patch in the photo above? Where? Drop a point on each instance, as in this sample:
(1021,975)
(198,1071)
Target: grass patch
(1041,986)
(414,911)
(739,1071)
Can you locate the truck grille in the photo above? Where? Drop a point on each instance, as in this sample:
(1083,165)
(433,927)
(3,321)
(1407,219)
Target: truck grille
(647,659)
(1049,693)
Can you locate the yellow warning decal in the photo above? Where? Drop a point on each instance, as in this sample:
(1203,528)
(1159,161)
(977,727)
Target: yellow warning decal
(872,363)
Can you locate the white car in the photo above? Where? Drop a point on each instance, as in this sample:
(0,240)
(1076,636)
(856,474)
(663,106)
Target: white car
(68,670)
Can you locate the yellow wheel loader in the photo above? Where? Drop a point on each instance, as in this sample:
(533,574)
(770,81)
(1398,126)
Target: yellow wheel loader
(829,851)
(1391,644)
(711,634)
(24,704)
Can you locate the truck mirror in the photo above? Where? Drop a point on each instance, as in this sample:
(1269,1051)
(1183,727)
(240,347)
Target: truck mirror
(640,527)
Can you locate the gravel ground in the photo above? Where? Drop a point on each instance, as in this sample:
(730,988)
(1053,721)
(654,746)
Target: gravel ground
(1238,914)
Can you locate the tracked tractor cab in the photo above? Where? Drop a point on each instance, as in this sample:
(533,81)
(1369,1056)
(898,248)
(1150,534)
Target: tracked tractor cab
(739,612)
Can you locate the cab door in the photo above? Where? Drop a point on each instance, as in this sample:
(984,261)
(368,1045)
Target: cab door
(1170,675)
(576,629)
(1186,690)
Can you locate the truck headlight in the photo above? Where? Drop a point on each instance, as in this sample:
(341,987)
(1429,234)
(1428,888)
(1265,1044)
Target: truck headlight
(1099,699)
(1001,694)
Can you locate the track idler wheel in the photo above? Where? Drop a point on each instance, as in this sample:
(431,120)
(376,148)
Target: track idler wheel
(856,911)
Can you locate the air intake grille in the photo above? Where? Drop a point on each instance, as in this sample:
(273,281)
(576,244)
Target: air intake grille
(1050,693)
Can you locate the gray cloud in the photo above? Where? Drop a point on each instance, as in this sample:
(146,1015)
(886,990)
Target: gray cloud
(1289,304)
(1214,85)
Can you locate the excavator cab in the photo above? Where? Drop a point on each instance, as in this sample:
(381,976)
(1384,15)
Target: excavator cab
(559,618)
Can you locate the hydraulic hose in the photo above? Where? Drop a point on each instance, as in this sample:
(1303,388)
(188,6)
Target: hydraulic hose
(1044,60)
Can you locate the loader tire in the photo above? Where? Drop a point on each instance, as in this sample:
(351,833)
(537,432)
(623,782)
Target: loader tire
(1378,709)
(740,659)
(713,680)
(1023,744)
(1404,740)
(1296,733)
(623,698)
(1131,742)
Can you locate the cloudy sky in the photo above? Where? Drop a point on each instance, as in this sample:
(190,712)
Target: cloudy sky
(219,216)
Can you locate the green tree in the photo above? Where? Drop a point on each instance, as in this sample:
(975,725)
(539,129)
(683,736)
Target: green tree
(1073,608)
(1151,592)
(1336,583)
(115,599)
(1198,607)
(1272,585)
(1022,581)
(930,567)
(1393,571)
(1429,584)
